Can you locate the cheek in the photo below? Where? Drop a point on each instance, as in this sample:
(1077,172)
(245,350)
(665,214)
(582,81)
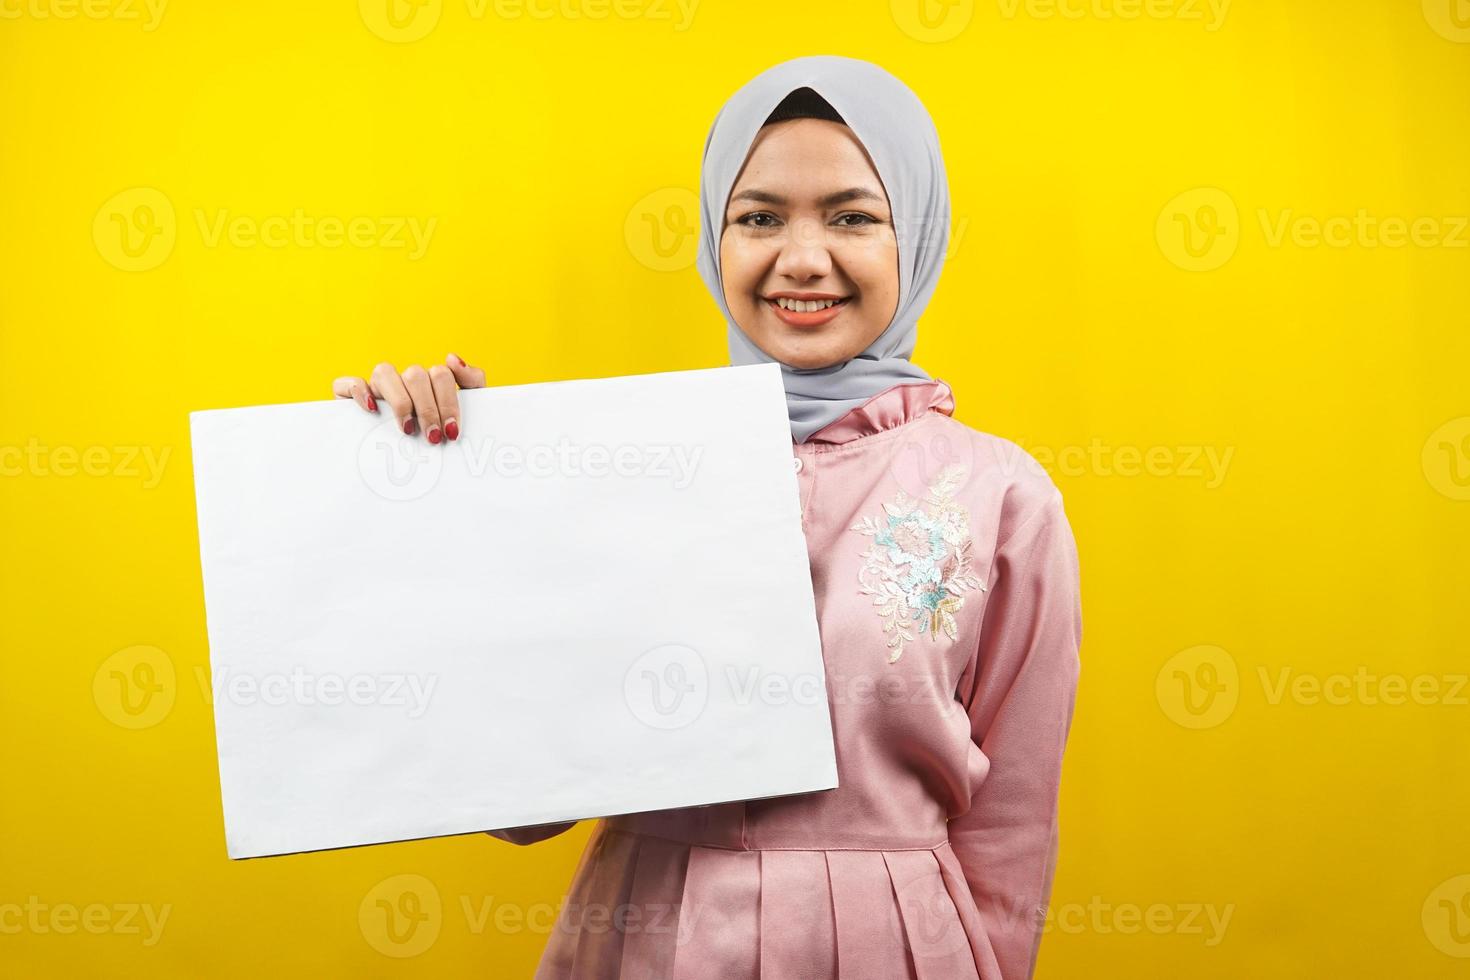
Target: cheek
(742,266)
(734,268)
(874,267)
(874,270)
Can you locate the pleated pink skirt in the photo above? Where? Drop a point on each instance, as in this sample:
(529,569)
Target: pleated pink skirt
(651,908)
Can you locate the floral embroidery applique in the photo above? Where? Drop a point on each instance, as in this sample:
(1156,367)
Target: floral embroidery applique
(918,566)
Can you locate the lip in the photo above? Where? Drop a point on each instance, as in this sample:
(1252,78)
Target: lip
(814,319)
(793,294)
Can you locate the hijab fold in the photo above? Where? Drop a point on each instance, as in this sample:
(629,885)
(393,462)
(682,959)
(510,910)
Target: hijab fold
(900,138)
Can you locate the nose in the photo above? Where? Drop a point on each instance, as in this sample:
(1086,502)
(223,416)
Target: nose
(804,253)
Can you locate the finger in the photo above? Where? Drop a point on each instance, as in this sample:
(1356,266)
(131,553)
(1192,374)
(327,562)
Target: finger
(356,389)
(446,396)
(416,380)
(466,376)
(390,387)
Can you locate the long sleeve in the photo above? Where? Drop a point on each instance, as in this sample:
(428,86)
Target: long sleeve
(1019,695)
(532,835)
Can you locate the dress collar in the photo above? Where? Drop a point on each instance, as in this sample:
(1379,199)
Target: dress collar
(904,402)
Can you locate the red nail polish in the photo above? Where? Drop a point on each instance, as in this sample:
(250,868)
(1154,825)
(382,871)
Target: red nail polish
(372,404)
(435,435)
(451,429)
(408,426)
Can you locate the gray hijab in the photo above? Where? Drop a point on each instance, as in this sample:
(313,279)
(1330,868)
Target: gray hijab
(895,129)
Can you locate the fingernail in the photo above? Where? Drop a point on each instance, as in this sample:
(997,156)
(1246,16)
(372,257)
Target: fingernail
(435,435)
(459,359)
(451,429)
(408,426)
(372,404)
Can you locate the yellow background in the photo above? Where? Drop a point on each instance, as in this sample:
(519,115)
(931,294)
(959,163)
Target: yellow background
(547,141)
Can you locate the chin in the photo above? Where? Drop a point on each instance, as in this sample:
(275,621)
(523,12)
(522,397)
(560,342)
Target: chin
(802,356)
(810,362)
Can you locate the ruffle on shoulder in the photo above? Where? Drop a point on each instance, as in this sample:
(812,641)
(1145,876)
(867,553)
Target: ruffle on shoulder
(887,409)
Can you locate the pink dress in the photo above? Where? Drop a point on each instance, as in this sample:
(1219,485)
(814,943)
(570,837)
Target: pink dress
(947,596)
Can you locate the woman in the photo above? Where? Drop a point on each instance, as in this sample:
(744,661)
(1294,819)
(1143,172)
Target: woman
(945,575)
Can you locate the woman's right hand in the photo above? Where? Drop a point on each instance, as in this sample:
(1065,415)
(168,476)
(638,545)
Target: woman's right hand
(422,401)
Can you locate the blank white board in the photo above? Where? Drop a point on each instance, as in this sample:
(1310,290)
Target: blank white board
(592,603)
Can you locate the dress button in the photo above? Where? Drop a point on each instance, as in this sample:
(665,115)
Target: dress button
(797,461)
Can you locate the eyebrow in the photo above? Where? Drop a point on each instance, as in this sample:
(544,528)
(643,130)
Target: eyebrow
(839,197)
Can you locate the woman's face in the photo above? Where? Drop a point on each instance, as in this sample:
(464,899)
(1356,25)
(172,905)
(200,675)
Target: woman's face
(808,222)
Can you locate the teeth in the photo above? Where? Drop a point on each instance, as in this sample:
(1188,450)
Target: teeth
(805,306)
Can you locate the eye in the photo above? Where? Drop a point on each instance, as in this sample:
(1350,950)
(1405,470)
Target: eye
(861,220)
(749,220)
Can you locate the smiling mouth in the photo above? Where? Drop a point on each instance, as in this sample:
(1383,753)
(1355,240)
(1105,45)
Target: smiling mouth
(805,313)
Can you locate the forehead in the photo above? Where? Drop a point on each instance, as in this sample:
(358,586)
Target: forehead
(807,157)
